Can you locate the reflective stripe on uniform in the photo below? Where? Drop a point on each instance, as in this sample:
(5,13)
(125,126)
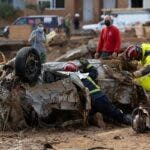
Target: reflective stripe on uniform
(97,87)
(89,66)
(94,91)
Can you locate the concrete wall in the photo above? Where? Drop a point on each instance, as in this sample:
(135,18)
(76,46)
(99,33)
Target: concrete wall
(122,3)
(19,4)
(97,10)
(146,3)
(79,8)
(109,3)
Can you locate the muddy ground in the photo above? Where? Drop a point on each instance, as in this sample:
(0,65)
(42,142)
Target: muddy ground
(75,138)
(91,138)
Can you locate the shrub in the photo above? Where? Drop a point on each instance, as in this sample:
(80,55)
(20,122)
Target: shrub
(31,6)
(6,11)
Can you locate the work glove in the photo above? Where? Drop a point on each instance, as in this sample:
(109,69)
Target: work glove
(114,54)
(84,62)
(96,56)
(137,73)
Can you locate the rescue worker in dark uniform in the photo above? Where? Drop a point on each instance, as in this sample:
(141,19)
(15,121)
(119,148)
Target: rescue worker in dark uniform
(100,102)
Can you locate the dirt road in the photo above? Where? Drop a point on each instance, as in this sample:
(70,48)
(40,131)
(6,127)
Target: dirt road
(91,138)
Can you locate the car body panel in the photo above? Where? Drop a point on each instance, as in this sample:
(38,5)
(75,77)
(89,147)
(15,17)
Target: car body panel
(49,22)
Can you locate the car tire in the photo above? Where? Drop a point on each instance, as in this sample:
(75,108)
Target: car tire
(28,65)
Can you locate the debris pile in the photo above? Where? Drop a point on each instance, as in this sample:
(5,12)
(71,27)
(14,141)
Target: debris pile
(34,103)
(54,38)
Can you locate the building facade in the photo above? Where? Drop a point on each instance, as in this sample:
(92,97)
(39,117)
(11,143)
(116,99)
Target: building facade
(18,4)
(89,10)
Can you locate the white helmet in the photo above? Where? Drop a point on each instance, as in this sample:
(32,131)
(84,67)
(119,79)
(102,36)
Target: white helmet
(77,15)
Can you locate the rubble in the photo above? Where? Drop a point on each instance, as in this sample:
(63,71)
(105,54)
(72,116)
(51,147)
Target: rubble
(56,89)
(54,38)
(77,53)
(2,58)
(83,32)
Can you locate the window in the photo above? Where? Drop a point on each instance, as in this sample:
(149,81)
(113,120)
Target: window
(137,3)
(51,4)
(21,21)
(57,4)
(44,4)
(8,1)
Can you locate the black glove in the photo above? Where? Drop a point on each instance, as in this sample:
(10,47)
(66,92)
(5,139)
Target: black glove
(84,62)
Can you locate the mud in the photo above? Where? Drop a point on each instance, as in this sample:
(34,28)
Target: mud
(54,52)
(90,138)
(78,137)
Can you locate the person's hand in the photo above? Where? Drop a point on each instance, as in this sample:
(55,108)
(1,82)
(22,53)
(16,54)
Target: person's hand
(135,82)
(84,62)
(96,56)
(114,54)
(137,74)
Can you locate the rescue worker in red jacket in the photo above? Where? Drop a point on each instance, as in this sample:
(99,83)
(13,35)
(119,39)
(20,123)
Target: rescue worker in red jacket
(110,40)
(100,102)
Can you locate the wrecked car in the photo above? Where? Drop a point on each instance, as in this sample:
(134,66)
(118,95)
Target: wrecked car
(31,92)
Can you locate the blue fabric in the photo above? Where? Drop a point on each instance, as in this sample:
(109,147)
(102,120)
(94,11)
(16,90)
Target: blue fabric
(104,55)
(100,102)
(37,40)
(103,105)
(87,83)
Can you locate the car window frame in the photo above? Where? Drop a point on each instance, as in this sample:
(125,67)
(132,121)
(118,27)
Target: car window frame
(15,23)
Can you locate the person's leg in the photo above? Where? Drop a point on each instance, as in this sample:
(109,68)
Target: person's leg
(43,57)
(104,106)
(105,55)
(68,33)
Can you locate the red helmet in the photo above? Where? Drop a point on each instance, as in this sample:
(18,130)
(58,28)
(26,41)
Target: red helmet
(70,67)
(132,52)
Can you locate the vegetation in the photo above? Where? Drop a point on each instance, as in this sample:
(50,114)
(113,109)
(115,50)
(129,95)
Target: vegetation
(7,11)
(31,6)
(43,5)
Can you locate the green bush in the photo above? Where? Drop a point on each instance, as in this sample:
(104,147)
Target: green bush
(6,11)
(31,6)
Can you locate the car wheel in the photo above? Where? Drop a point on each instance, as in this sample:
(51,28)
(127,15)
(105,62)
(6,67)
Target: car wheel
(28,64)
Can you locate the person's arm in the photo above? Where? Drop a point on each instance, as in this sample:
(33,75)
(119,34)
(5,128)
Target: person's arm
(118,41)
(93,73)
(89,68)
(32,36)
(43,37)
(145,70)
(100,42)
(142,72)
(99,46)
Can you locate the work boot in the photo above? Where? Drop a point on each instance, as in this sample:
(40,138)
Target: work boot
(98,120)
(127,120)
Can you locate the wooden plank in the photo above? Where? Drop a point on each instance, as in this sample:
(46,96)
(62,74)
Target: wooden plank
(20,32)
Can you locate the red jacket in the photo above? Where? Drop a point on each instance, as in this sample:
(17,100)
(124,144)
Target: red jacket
(110,40)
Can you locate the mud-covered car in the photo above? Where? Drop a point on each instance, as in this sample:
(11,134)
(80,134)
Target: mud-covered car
(31,93)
